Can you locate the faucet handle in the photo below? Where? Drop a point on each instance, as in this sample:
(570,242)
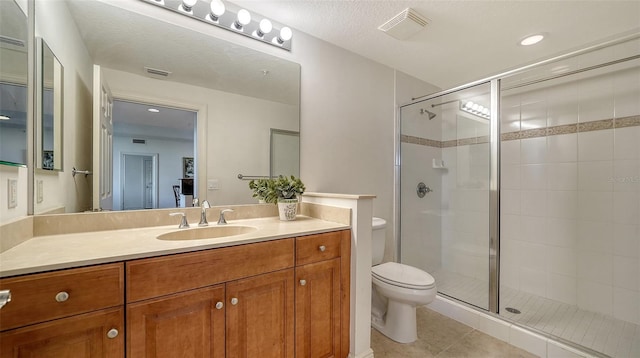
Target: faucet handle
(221,220)
(183,222)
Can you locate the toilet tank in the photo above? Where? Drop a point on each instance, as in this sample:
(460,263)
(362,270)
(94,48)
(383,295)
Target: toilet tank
(378,239)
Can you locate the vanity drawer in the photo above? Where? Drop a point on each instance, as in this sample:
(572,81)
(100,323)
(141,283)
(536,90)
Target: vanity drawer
(154,277)
(319,247)
(43,297)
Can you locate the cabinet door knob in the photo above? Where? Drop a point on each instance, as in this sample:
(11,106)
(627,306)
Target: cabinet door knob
(322,248)
(303,282)
(5,297)
(113,333)
(62,296)
(234,301)
(219,305)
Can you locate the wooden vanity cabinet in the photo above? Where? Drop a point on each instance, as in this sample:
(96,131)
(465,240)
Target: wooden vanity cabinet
(235,301)
(188,324)
(322,295)
(67,313)
(283,298)
(260,316)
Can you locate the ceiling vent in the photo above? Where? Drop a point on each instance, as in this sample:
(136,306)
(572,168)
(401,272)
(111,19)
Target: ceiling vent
(404,25)
(157,72)
(139,141)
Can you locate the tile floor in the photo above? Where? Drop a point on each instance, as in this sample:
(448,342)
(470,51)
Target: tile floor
(441,336)
(602,333)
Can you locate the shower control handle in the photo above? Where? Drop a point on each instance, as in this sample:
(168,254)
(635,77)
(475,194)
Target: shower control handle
(422,189)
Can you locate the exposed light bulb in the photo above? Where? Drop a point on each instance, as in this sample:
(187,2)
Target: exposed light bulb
(244,17)
(264,28)
(217,9)
(153,110)
(187,5)
(284,35)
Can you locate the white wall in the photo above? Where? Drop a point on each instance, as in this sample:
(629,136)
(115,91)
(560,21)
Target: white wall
(58,29)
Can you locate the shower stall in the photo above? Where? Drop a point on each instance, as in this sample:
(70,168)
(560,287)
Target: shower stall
(520,194)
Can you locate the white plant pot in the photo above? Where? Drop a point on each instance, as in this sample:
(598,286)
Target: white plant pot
(288,209)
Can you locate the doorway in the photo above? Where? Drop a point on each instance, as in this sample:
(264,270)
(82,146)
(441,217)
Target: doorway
(139,178)
(168,135)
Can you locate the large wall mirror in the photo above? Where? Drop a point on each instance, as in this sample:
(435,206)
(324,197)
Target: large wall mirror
(178,97)
(13,84)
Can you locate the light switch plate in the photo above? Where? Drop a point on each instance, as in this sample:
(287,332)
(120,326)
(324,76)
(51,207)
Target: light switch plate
(213,184)
(12,194)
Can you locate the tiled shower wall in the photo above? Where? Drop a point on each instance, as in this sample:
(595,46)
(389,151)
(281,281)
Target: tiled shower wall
(570,199)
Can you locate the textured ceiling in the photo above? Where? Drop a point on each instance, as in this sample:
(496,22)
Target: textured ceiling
(465,40)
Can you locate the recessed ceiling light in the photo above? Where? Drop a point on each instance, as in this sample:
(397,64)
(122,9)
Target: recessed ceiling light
(153,110)
(531,40)
(4,118)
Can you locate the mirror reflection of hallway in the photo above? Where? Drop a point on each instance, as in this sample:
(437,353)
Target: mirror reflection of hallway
(150,141)
(139,184)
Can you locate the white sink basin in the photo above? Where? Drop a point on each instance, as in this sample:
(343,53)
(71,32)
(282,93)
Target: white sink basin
(210,232)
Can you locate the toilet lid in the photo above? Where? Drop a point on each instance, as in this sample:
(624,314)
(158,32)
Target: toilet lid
(398,274)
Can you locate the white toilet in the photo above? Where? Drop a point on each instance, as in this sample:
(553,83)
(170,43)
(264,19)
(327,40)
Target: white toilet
(397,290)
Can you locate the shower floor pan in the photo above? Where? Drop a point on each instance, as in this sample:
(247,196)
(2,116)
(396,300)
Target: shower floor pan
(602,333)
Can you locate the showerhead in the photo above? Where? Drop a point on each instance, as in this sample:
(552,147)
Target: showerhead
(431,114)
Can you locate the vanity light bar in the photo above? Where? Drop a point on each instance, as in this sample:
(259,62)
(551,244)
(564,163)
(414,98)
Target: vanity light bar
(215,13)
(475,109)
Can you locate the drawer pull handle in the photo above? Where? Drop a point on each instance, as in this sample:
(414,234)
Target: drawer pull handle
(322,248)
(5,297)
(219,305)
(303,282)
(234,301)
(62,296)
(113,333)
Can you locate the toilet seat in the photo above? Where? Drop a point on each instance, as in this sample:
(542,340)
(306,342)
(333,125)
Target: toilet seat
(401,275)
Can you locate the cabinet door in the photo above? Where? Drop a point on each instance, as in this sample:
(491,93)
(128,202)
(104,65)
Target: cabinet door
(318,310)
(189,324)
(260,320)
(93,335)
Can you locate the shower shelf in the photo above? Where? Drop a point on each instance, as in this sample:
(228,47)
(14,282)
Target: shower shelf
(438,164)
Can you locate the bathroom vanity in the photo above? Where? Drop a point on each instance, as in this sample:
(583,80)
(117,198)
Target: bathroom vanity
(257,296)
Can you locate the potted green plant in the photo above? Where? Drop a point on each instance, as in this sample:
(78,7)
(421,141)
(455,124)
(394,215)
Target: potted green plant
(260,189)
(287,191)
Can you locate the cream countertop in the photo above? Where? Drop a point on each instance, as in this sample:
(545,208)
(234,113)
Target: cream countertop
(51,252)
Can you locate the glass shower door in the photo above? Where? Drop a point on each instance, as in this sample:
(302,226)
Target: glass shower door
(444,184)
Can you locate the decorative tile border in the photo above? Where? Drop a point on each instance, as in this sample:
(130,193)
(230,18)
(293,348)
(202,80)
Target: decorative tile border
(631,121)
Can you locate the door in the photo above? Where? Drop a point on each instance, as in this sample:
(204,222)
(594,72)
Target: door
(147,175)
(138,181)
(260,321)
(94,335)
(284,153)
(318,310)
(189,324)
(445,185)
(102,142)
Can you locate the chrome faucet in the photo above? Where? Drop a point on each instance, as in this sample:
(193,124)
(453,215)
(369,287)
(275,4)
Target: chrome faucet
(221,220)
(203,215)
(183,223)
